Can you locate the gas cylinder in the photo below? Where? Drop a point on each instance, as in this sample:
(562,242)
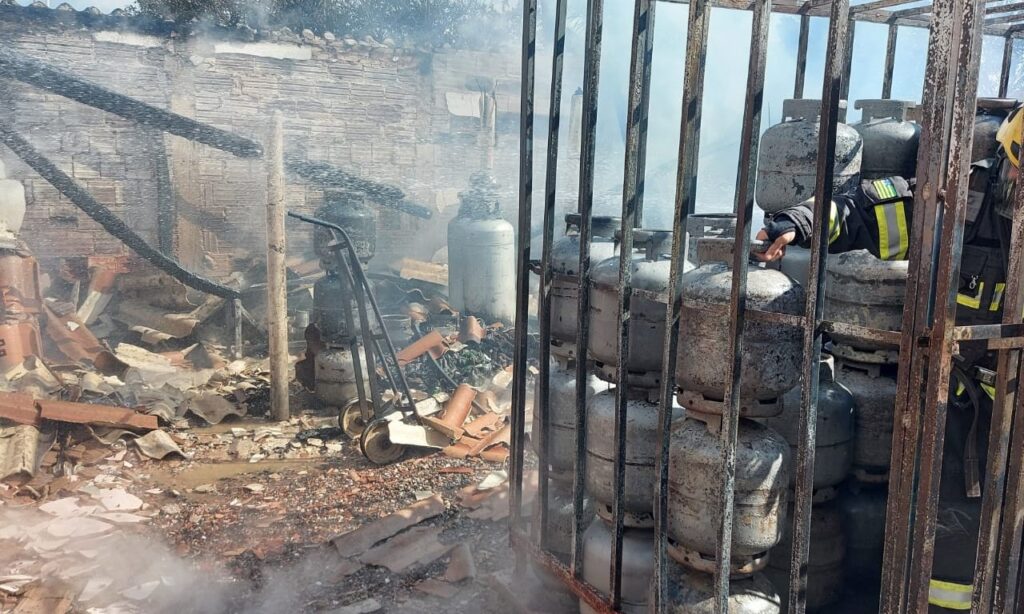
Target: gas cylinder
(335,375)
(650,272)
(565,262)
(862,507)
(481,255)
(332,297)
(562,417)
(761,491)
(637,564)
(788,158)
(708,226)
(890,140)
(772,352)
(874,390)
(988,116)
(833,448)
(350,211)
(641,449)
(561,518)
(12,204)
(864,290)
(691,592)
(824,561)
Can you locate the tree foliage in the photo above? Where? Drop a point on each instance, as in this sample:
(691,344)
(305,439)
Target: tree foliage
(417,22)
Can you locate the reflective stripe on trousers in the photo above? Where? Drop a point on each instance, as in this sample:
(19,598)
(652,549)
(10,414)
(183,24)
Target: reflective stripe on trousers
(949,595)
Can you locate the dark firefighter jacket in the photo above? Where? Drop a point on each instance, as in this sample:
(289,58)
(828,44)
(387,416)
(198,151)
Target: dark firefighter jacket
(877,217)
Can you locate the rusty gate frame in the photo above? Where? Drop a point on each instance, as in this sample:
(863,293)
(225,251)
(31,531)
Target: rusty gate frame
(927,341)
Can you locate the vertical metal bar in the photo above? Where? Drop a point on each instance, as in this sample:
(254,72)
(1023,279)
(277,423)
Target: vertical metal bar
(1006,598)
(686,189)
(935,103)
(645,108)
(890,60)
(1004,73)
(847,65)
(354,343)
(832,84)
(749,142)
(349,263)
(542,402)
(523,260)
(970,17)
(801,56)
(991,586)
(639,89)
(588,150)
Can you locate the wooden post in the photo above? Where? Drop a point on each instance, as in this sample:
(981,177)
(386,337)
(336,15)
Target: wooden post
(277,298)
(236,316)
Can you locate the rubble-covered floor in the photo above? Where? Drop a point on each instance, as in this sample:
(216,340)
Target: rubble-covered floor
(215,532)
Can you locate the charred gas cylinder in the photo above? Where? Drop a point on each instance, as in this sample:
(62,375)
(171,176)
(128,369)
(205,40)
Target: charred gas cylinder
(335,375)
(834,443)
(874,390)
(691,592)
(332,302)
(641,449)
(350,211)
(562,418)
(788,158)
(772,351)
(862,507)
(988,117)
(865,291)
(650,272)
(481,255)
(637,565)
(761,492)
(565,263)
(890,140)
(824,562)
(561,518)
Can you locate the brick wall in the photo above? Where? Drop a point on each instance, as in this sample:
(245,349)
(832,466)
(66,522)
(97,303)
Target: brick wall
(379,112)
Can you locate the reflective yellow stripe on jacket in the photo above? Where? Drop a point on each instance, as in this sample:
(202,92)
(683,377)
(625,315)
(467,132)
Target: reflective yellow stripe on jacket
(893,238)
(949,595)
(834,229)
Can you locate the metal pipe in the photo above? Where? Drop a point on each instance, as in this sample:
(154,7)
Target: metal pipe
(968,59)
(645,109)
(890,60)
(588,150)
(277,271)
(542,402)
(523,259)
(686,188)
(103,216)
(744,207)
(801,56)
(42,75)
(639,89)
(834,81)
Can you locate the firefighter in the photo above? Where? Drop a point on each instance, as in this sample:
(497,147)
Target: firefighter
(877,217)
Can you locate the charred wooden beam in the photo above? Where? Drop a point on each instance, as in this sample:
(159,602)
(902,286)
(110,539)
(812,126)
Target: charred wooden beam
(330,176)
(16,66)
(103,216)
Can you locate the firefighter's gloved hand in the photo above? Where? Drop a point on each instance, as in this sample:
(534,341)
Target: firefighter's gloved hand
(780,236)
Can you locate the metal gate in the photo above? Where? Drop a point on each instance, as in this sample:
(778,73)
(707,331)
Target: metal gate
(928,338)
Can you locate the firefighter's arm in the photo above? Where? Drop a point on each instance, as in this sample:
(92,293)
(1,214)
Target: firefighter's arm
(846,230)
